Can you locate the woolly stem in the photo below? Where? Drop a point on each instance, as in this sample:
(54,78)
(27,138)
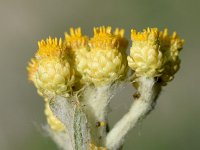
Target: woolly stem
(96,100)
(148,91)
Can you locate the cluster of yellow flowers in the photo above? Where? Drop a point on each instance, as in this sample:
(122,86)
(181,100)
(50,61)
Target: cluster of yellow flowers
(63,66)
(59,65)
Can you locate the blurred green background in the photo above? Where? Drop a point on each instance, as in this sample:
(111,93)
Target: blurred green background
(173,125)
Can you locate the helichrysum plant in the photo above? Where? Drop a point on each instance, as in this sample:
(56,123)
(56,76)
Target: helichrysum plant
(79,75)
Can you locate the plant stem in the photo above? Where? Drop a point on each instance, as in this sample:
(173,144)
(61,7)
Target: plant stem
(96,100)
(148,91)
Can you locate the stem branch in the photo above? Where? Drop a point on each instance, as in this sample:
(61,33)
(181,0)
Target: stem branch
(149,91)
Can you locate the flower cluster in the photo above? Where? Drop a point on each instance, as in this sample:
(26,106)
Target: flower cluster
(61,67)
(58,65)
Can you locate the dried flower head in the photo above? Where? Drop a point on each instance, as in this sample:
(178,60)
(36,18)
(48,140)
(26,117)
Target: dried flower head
(145,58)
(170,47)
(54,76)
(154,53)
(50,71)
(106,60)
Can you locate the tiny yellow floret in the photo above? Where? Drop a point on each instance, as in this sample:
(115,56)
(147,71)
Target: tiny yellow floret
(51,48)
(147,34)
(104,38)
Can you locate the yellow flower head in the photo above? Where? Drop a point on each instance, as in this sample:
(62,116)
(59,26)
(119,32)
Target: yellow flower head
(54,76)
(106,60)
(155,54)
(145,58)
(170,47)
(51,48)
(54,123)
(50,71)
